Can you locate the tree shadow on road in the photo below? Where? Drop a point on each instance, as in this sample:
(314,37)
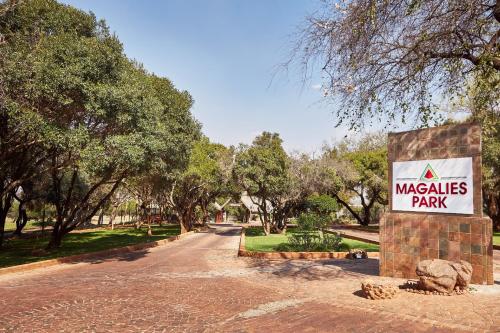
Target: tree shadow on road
(129,256)
(317,269)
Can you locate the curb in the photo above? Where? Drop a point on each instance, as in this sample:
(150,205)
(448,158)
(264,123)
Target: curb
(361,239)
(91,255)
(242,252)
(353,228)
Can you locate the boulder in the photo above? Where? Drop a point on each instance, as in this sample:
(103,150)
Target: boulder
(464,274)
(443,276)
(375,291)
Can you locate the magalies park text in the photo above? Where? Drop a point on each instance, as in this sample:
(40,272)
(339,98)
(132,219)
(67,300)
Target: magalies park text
(431,195)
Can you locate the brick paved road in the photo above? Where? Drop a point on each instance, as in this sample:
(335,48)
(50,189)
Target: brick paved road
(199,285)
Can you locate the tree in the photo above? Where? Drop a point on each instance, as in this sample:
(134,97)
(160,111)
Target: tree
(207,177)
(293,195)
(491,167)
(321,204)
(90,116)
(482,103)
(359,170)
(214,164)
(30,108)
(29,194)
(386,60)
(262,170)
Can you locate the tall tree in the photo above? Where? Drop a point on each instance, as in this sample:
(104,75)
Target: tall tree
(262,170)
(387,60)
(214,164)
(96,118)
(207,177)
(482,103)
(29,109)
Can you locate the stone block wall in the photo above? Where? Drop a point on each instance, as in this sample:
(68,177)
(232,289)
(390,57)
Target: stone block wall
(409,237)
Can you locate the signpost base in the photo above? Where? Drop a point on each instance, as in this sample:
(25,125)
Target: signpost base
(406,239)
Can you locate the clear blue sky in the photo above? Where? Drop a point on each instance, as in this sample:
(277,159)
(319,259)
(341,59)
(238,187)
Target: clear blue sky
(225,52)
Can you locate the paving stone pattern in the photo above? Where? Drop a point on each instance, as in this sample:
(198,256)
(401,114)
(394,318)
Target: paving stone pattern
(198,284)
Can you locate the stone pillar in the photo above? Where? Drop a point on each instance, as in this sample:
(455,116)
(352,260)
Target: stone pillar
(409,237)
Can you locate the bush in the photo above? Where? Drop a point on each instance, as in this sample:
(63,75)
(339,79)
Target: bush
(311,222)
(322,204)
(314,242)
(309,237)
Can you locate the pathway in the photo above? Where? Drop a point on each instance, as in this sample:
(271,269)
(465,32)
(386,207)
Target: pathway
(198,284)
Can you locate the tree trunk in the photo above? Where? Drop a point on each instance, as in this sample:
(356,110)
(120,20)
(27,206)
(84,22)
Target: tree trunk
(280,227)
(112,217)
(205,215)
(366,216)
(492,204)
(346,205)
(265,222)
(55,240)
(496,223)
(43,219)
(150,232)
(496,11)
(57,235)
(22,219)
(267,228)
(184,227)
(6,203)
(279,219)
(100,219)
(186,219)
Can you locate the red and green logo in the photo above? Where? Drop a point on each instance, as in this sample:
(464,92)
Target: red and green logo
(429,174)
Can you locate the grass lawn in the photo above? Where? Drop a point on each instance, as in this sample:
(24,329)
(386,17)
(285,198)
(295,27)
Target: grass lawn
(19,251)
(255,240)
(10,224)
(496,238)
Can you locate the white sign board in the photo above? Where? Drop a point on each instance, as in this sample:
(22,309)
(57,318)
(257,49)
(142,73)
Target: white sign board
(438,186)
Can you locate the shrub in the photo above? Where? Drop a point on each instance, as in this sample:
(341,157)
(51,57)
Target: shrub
(311,222)
(322,204)
(309,237)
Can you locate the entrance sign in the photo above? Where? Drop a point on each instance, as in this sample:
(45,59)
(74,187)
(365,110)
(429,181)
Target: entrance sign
(437,186)
(435,202)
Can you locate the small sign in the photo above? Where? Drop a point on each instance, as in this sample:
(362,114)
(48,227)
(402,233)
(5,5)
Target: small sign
(438,186)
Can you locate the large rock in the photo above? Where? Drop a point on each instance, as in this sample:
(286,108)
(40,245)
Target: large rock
(443,276)
(375,291)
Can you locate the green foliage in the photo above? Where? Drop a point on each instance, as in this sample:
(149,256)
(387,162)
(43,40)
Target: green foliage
(262,170)
(308,222)
(262,167)
(313,242)
(483,101)
(76,110)
(207,177)
(322,204)
(308,237)
(357,169)
(256,240)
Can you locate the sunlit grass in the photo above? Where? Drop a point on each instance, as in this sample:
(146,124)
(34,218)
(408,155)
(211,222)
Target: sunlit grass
(20,251)
(256,240)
